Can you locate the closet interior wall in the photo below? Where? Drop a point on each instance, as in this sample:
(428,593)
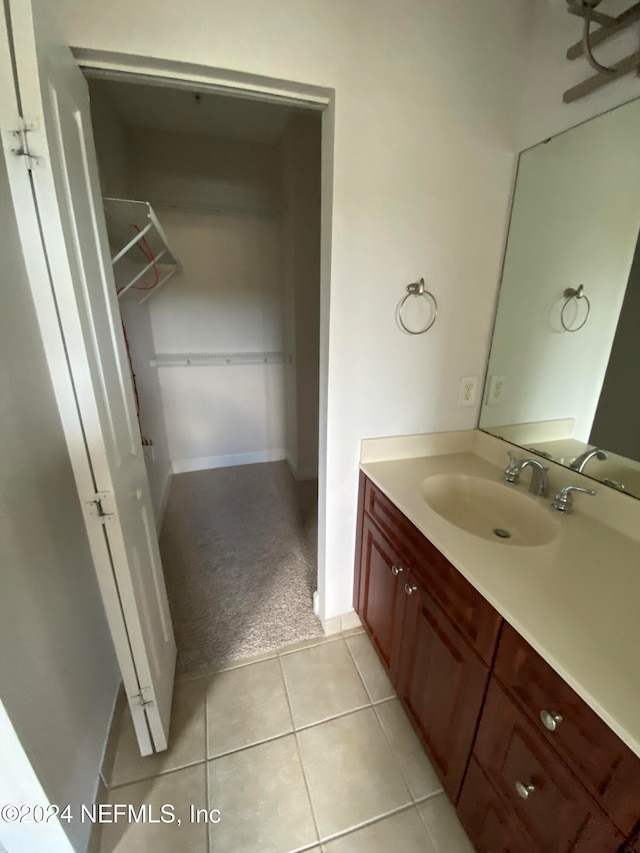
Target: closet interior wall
(244,218)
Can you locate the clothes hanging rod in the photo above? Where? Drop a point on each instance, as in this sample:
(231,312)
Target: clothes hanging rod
(219,359)
(211,207)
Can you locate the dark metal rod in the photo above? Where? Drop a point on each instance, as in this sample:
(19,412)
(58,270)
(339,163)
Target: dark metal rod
(624,20)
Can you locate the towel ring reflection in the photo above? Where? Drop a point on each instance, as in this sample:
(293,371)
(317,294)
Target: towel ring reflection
(569,295)
(417,288)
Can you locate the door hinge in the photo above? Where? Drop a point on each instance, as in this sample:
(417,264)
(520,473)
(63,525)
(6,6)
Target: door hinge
(97,507)
(142,698)
(20,144)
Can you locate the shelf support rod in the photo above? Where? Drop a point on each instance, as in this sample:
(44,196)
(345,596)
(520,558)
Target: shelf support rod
(139,236)
(159,284)
(624,20)
(141,273)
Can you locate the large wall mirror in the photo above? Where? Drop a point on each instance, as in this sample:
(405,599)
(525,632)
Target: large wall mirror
(564,369)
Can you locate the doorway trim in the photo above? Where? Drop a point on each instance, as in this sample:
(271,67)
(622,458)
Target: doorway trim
(238,84)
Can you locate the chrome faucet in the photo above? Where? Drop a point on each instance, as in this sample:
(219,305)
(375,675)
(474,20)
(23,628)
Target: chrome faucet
(539,482)
(563,501)
(580,461)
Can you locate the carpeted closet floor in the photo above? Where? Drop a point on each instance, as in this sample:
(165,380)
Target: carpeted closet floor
(239,553)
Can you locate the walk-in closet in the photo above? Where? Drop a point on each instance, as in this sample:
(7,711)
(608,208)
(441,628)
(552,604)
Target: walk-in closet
(212,205)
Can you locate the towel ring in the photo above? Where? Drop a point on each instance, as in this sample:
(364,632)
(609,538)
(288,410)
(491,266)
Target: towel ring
(569,294)
(417,288)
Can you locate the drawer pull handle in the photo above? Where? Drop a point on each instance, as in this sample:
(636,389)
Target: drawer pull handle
(410,588)
(550,719)
(396,570)
(525,791)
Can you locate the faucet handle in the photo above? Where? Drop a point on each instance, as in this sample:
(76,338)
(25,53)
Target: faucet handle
(512,470)
(563,501)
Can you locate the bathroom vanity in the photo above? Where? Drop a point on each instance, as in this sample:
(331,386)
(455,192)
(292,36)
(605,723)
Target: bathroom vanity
(510,656)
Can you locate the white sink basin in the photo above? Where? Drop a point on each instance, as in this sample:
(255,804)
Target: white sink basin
(493,511)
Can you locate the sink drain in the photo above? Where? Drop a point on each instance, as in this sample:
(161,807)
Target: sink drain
(501,533)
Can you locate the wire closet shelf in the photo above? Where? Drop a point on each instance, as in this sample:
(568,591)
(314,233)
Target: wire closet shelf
(133,227)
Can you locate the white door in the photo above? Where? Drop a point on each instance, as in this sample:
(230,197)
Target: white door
(59,210)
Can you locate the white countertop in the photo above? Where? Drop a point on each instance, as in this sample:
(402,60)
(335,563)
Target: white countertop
(576,600)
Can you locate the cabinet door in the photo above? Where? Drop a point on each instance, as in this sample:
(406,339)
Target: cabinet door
(441,683)
(381,600)
(536,785)
(485,819)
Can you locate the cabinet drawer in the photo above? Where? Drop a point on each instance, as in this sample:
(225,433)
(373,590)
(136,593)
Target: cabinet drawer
(556,811)
(474,617)
(485,818)
(602,762)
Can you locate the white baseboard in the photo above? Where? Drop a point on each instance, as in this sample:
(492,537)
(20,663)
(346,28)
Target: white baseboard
(202,463)
(164,498)
(302,473)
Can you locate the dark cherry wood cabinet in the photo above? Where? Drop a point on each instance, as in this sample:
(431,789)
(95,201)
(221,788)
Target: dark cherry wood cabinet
(597,756)
(382,596)
(528,765)
(536,785)
(441,682)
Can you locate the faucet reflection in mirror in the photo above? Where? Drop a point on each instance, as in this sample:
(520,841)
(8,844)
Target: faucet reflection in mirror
(575,218)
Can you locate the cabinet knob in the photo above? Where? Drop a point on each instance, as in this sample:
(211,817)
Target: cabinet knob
(410,588)
(396,570)
(550,719)
(525,791)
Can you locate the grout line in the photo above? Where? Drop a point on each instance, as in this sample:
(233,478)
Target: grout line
(206,766)
(157,775)
(395,755)
(304,775)
(321,722)
(429,833)
(370,822)
(427,797)
(311,644)
(358,670)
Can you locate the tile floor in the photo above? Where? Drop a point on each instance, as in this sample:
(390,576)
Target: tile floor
(306,749)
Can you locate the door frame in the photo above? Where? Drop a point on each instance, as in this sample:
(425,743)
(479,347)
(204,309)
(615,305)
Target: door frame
(155,71)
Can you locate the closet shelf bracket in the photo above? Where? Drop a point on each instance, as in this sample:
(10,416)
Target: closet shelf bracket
(134,225)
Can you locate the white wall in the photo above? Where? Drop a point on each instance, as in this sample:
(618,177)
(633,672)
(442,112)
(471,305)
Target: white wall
(426,95)
(193,168)
(549,73)
(111,143)
(575,221)
(227,299)
(300,157)
(58,672)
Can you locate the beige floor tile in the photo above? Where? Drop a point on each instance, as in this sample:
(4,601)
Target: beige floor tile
(442,822)
(403,832)
(416,767)
(262,799)
(352,774)
(307,644)
(208,671)
(180,789)
(350,621)
(246,706)
(322,682)
(186,738)
(372,672)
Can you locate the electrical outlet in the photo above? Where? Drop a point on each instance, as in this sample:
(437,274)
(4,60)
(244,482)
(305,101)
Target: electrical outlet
(497,389)
(468,391)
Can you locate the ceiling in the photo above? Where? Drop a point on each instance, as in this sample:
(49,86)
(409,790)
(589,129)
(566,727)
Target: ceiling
(158,108)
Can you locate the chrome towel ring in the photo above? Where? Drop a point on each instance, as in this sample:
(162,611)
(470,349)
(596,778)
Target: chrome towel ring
(569,295)
(417,288)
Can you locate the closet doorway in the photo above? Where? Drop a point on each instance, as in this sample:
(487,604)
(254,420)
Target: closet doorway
(217,198)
